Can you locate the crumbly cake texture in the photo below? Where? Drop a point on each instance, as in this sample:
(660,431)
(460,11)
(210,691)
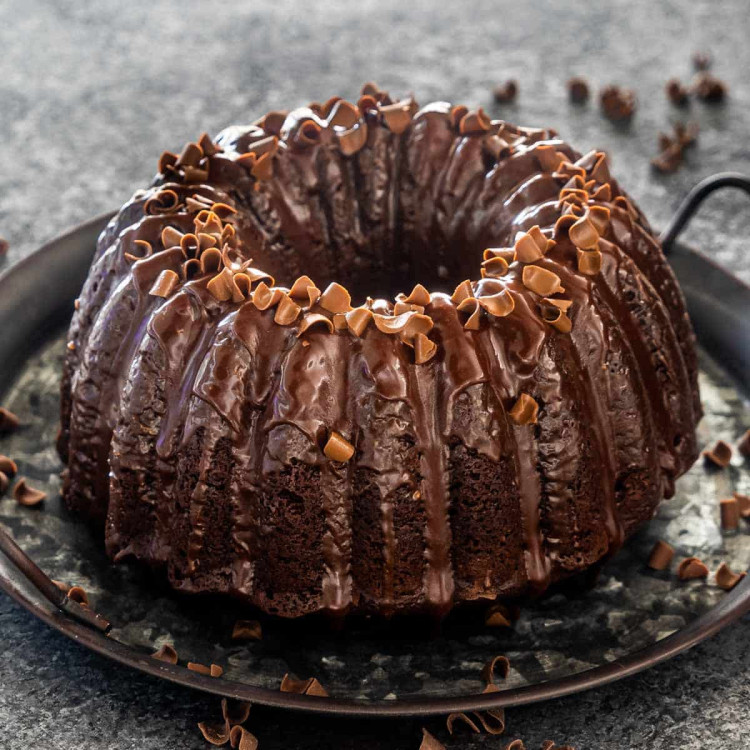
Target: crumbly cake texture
(376,358)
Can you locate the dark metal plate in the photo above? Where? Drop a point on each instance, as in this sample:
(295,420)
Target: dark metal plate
(631,619)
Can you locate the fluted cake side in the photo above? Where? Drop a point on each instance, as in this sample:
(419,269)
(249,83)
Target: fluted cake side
(254,401)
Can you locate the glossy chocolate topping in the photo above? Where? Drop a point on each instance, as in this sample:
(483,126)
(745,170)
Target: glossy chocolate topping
(379,358)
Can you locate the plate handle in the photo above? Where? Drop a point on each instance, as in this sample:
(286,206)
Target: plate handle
(46,586)
(693,200)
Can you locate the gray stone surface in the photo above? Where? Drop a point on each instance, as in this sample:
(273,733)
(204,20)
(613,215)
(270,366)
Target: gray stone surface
(92,92)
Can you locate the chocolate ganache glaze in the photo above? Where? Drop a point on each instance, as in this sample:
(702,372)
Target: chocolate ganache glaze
(376,358)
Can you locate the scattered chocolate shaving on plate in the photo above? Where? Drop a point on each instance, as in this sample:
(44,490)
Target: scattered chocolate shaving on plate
(8,466)
(743,502)
(661,556)
(78,594)
(4,482)
(708,88)
(497,616)
(720,455)
(726,578)
(235,712)
(677,93)
(730,513)
(578,90)
(9,422)
(310,686)
(27,495)
(744,445)
(617,103)
(691,568)
(241,739)
(216,734)
(463,719)
(429,742)
(702,60)
(166,653)
(506,92)
(199,668)
(247,630)
(499,665)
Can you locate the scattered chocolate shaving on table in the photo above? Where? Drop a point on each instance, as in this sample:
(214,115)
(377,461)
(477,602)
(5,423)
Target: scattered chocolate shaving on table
(673,146)
(247,630)
(578,90)
(310,686)
(744,445)
(726,578)
(464,719)
(677,93)
(515,745)
(241,739)
(669,160)
(4,482)
(702,60)
(499,665)
(9,422)
(235,712)
(661,556)
(4,247)
(216,734)
(552,745)
(492,720)
(743,502)
(8,466)
(506,92)
(166,653)
(708,88)
(730,513)
(617,103)
(720,455)
(691,568)
(216,671)
(429,742)
(27,495)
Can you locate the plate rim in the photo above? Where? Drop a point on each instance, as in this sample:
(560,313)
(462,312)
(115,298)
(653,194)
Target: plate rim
(731,607)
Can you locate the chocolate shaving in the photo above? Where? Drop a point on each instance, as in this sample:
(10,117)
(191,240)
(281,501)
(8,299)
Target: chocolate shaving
(497,616)
(506,92)
(578,90)
(603,194)
(540,280)
(165,283)
(78,594)
(708,88)
(241,739)
(164,202)
(211,260)
(462,292)
(617,103)
(419,296)
(726,578)
(429,742)
(287,311)
(583,233)
(499,305)
(515,745)
(9,422)
(300,287)
(216,734)
(166,653)
(27,495)
(352,140)
(720,455)
(464,719)
(310,686)
(589,262)
(661,556)
(494,267)
(676,92)
(338,448)
(743,502)
(167,161)
(247,630)
(314,319)
(235,711)
(208,147)
(215,670)
(555,316)
(499,665)
(526,249)
(525,410)
(397,117)
(691,568)
(191,269)
(424,349)
(730,514)
(221,286)
(492,720)
(744,445)
(316,689)
(550,159)
(474,122)
(8,466)
(335,299)
(669,160)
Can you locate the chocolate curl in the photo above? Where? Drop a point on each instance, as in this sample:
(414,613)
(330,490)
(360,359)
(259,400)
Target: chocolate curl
(314,319)
(247,630)
(462,292)
(525,410)
(164,202)
(691,568)
(471,305)
(141,249)
(221,286)
(726,578)
(720,455)
(358,319)
(499,305)
(549,158)
(475,122)
(540,280)
(424,349)
(210,260)
(397,117)
(170,237)
(661,556)
(335,299)
(165,284)
(166,653)
(429,742)
(287,311)
(337,448)
(241,739)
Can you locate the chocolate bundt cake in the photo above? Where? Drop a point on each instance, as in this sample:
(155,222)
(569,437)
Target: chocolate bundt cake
(376,358)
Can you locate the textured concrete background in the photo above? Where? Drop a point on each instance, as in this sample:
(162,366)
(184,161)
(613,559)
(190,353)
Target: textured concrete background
(92,92)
